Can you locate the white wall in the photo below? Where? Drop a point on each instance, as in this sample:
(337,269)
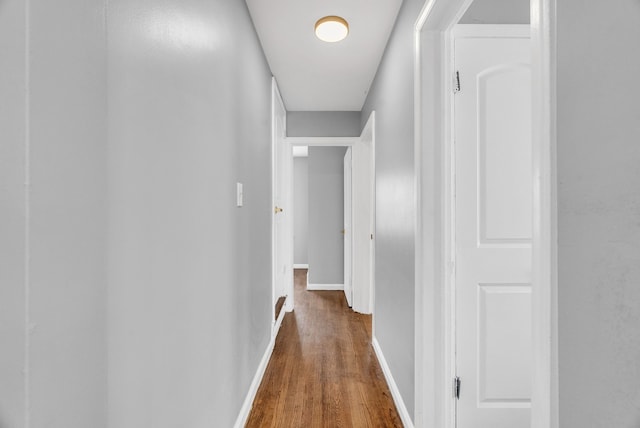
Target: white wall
(326,215)
(190,286)
(497,12)
(391,96)
(323,124)
(300,210)
(599,212)
(53,250)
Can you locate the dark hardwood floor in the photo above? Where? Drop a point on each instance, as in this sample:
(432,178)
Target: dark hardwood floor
(323,371)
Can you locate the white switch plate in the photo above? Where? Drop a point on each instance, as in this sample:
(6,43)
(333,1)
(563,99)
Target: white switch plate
(239,194)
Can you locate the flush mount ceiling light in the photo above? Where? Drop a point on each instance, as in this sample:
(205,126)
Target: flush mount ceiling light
(332,29)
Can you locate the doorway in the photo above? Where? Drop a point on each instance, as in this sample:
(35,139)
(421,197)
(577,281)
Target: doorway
(436,244)
(492,225)
(282,214)
(326,214)
(362,202)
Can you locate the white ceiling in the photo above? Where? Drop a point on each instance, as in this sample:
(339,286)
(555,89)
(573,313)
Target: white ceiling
(317,76)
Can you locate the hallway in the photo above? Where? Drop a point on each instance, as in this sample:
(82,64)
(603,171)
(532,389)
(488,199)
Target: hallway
(323,371)
(138,206)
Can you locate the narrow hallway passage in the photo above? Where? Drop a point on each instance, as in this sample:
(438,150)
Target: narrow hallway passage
(323,371)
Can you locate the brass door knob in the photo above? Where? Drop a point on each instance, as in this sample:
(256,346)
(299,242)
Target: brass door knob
(343,231)
(278,210)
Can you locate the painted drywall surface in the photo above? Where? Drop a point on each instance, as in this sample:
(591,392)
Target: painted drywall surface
(323,124)
(300,210)
(68,178)
(54,102)
(497,12)
(598,213)
(326,215)
(190,273)
(391,96)
(12,207)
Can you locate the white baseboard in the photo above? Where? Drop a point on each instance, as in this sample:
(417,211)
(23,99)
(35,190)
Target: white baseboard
(255,384)
(325,287)
(395,392)
(301,266)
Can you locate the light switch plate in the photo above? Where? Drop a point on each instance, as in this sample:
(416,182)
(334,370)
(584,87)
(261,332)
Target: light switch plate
(239,194)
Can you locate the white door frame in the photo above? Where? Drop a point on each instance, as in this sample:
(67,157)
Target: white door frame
(433,86)
(320,142)
(370,126)
(361,200)
(350,142)
(347,231)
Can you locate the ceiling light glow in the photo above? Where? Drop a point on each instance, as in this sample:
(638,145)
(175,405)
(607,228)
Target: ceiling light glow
(332,29)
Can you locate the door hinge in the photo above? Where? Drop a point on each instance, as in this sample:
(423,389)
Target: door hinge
(456,83)
(456,387)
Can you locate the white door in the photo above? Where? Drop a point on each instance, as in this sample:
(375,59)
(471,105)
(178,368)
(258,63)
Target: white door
(362,219)
(282,215)
(347,230)
(493,227)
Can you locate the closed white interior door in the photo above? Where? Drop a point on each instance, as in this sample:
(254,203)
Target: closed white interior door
(283,219)
(493,226)
(347,230)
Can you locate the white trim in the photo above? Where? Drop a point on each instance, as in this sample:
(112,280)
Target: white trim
(477,31)
(363,224)
(323,141)
(276,101)
(300,151)
(301,266)
(274,91)
(372,273)
(434,407)
(434,370)
(290,286)
(393,387)
(325,287)
(245,410)
(545,399)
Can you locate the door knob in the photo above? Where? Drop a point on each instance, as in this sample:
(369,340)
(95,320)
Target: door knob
(278,210)
(343,231)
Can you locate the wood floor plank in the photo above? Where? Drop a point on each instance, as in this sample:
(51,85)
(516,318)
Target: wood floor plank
(323,371)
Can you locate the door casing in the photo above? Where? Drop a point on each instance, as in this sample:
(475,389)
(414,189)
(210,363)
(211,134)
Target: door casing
(347,231)
(363,294)
(282,171)
(433,86)
(364,218)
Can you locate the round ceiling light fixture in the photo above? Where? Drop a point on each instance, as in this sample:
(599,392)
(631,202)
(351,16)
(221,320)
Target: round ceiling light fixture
(332,29)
